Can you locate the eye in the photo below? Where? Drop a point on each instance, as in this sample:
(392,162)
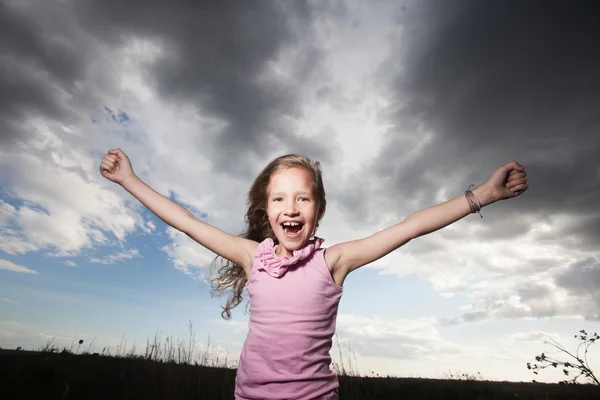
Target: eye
(277,199)
(304,198)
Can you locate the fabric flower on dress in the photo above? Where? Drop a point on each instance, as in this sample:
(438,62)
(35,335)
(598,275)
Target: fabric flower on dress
(277,266)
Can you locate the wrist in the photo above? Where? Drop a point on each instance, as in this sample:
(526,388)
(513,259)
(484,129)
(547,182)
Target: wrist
(129,181)
(484,195)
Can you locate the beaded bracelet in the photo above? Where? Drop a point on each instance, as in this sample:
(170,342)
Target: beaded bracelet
(474,203)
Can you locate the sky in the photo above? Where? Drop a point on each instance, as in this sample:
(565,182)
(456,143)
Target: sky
(404,103)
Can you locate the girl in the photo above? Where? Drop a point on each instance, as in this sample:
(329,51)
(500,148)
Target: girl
(293,283)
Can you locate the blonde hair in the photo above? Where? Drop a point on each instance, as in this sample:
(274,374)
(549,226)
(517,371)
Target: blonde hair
(231,276)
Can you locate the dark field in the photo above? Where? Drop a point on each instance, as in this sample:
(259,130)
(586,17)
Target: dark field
(35,375)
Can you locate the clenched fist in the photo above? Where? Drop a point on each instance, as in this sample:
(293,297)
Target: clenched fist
(116,167)
(508,181)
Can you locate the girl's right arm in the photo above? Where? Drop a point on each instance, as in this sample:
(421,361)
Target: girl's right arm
(116,167)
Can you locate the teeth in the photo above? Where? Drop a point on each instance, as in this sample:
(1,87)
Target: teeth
(291,223)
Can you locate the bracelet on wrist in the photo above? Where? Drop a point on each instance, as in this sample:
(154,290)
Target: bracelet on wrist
(473,201)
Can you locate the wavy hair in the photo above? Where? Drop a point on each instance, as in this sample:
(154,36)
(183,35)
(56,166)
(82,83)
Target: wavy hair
(231,277)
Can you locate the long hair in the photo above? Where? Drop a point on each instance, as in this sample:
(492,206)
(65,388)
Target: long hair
(231,276)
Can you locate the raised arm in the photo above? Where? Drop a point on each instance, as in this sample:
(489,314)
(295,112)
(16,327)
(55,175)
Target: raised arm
(116,167)
(508,181)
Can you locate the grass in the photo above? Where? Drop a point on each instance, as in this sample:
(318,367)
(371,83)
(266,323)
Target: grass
(176,369)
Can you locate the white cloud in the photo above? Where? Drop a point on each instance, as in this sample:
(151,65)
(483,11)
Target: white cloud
(148,227)
(7,213)
(113,258)
(394,338)
(186,254)
(511,277)
(411,347)
(10,266)
(237,327)
(12,244)
(63,210)
(7,300)
(13,324)
(536,336)
(12,240)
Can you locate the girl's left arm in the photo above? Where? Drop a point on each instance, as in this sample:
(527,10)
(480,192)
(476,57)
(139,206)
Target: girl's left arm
(508,181)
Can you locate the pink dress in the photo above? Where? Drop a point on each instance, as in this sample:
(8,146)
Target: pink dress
(293,309)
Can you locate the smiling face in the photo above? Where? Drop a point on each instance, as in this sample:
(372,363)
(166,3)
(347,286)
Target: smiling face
(292,209)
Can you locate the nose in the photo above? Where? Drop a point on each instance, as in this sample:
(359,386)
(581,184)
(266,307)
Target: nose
(290,208)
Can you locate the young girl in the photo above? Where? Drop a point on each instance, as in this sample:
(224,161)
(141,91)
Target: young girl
(294,284)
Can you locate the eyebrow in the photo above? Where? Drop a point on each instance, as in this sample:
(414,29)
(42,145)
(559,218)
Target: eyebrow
(297,194)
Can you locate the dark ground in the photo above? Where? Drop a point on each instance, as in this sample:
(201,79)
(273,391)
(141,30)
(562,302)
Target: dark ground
(33,375)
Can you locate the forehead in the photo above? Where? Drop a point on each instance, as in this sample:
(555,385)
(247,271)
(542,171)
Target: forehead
(294,178)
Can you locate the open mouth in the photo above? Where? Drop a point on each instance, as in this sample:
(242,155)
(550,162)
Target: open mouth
(292,228)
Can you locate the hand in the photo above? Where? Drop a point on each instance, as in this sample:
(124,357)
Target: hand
(116,167)
(508,181)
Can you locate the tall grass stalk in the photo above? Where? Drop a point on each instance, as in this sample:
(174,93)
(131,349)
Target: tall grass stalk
(161,349)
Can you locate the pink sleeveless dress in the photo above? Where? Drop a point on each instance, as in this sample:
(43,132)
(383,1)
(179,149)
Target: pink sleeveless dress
(293,309)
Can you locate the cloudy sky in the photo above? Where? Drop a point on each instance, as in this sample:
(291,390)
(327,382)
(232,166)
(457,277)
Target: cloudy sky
(405,103)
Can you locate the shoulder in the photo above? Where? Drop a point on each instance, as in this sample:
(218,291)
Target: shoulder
(343,257)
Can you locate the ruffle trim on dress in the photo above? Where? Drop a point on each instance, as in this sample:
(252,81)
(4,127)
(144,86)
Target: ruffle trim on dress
(277,266)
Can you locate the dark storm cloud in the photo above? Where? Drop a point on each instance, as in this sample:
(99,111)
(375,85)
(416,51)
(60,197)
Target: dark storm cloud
(582,279)
(216,57)
(33,67)
(532,291)
(581,276)
(489,82)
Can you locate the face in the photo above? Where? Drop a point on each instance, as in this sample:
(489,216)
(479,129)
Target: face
(292,209)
